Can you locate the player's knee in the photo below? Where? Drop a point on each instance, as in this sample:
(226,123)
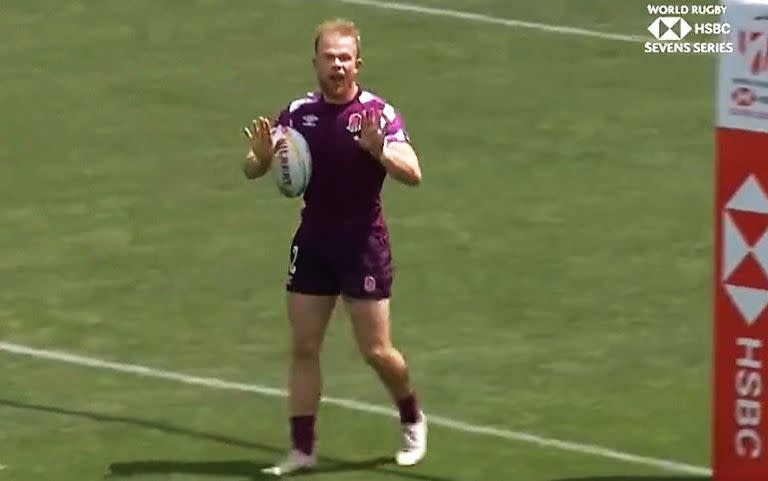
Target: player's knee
(306,349)
(377,355)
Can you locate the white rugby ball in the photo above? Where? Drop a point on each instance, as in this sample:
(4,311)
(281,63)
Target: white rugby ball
(292,165)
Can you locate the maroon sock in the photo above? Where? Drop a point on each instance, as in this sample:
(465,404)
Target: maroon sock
(409,409)
(303,433)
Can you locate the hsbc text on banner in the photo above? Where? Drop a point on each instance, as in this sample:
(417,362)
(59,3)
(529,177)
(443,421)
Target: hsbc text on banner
(740,424)
(741,308)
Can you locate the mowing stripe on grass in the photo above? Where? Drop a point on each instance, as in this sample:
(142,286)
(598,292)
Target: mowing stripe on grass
(445,422)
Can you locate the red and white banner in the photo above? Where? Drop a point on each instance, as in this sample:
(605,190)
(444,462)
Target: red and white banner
(740,434)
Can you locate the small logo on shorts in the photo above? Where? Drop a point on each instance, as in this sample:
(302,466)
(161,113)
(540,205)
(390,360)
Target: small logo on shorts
(369,284)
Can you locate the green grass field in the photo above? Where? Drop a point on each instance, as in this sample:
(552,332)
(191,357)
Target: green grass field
(553,268)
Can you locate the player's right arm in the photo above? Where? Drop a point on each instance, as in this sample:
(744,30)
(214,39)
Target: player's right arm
(259,157)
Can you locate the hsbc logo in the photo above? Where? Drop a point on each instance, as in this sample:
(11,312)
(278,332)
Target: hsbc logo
(670,28)
(745,250)
(744,268)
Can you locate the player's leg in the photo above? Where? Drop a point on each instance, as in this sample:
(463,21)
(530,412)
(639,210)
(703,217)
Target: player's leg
(371,327)
(366,287)
(312,293)
(309,316)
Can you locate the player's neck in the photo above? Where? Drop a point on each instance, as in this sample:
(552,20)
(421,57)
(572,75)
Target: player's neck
(347,97)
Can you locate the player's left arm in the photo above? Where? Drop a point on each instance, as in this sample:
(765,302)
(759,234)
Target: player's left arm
(401,162)
(386,140)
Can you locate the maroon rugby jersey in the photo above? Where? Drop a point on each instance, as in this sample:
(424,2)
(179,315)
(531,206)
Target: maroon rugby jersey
(345,187)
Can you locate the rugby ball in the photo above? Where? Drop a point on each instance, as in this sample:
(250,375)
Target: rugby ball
(292,164)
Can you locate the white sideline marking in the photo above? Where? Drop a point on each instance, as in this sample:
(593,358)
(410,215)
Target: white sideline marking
(214,383)
(506,22)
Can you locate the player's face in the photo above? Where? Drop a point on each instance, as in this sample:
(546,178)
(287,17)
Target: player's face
(336,64)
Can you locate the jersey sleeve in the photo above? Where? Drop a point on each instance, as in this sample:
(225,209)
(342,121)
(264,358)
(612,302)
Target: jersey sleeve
(394,126)
(283,119)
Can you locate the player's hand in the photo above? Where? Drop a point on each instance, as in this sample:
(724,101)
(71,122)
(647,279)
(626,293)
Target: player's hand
(371,133)
(260,139)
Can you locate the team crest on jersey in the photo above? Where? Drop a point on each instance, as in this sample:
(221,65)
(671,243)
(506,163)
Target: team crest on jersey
(355,124)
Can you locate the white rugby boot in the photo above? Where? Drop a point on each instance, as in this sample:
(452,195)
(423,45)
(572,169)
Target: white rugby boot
(295,461)
(414,442)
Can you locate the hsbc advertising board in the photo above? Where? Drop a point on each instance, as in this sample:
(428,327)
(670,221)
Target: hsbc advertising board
(740,434)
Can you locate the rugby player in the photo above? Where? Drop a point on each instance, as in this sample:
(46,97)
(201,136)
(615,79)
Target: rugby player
(341,247)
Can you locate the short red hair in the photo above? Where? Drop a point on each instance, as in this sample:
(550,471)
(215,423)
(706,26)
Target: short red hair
(341,26)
